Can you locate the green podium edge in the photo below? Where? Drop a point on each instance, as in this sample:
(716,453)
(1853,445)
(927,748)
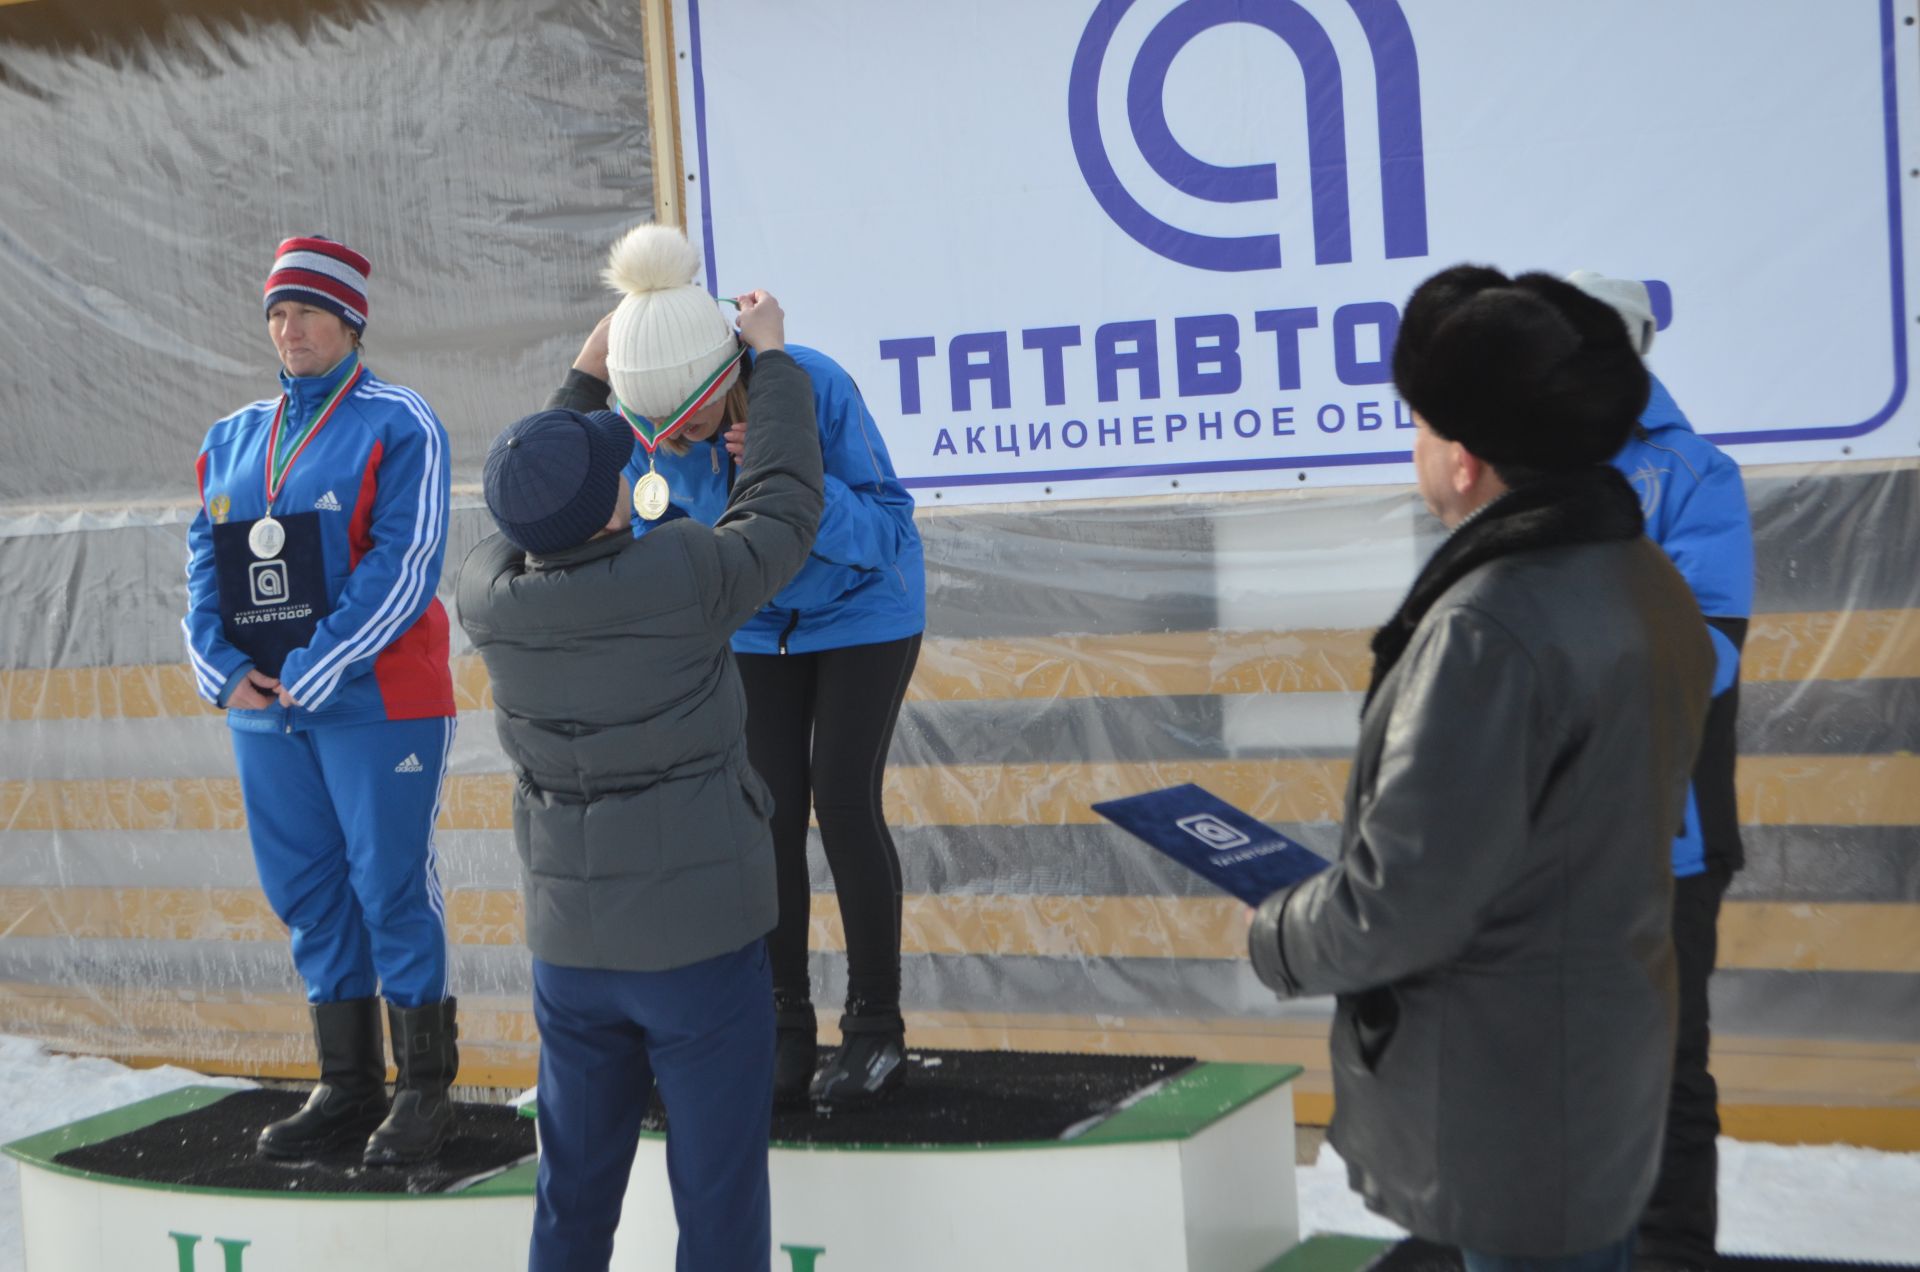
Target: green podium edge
(1177,1109)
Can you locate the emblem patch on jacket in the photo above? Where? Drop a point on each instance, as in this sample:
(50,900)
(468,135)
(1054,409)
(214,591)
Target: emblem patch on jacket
(218,507)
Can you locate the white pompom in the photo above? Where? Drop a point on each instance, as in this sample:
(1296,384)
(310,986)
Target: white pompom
(651,258)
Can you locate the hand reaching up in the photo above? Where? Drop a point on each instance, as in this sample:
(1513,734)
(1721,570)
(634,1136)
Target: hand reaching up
(593,354)
(763,324)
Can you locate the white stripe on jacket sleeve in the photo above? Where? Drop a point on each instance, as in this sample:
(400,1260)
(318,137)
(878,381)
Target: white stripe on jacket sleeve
(396,608)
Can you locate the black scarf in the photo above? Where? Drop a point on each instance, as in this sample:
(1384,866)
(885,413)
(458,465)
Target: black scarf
(1586,505)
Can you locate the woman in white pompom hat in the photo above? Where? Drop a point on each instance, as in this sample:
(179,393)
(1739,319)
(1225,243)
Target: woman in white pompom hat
(825,663)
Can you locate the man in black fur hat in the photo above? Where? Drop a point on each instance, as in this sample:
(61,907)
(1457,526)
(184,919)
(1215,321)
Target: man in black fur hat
(1497,926)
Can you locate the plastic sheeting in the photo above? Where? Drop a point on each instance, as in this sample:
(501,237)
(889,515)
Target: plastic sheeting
(483,154)
(1073,653)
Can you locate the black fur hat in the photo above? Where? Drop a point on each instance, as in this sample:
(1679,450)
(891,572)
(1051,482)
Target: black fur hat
(1527,372)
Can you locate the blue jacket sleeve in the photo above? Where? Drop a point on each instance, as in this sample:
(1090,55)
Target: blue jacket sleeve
(394,582)
(865,525)
(868,519)
(216,664)
(1709,537)
(869,514)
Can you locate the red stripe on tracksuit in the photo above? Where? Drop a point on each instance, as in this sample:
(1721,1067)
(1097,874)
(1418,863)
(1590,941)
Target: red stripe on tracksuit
(359,531)
(408,664)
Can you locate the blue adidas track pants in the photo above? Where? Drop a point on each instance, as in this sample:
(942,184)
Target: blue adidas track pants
(342,825)
(704,1032)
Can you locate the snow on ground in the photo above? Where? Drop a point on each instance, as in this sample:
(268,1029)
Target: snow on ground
(39,1091)
(1811,1200)
(1843,1203)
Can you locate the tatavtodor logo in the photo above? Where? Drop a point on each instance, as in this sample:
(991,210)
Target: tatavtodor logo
(1401,152)
(269,582)
(1213,832)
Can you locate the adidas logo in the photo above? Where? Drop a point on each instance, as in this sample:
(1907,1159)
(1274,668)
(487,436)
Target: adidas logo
(326,503)
(411,764)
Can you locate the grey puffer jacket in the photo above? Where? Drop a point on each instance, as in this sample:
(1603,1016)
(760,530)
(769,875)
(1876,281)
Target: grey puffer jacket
(1497,928)
(642,829)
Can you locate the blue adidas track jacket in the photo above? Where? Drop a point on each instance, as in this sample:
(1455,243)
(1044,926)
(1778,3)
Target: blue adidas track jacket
(377,473)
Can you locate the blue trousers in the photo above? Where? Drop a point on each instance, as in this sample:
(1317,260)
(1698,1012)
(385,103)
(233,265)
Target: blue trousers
(1617,1257)
(704,1032)
(342,827)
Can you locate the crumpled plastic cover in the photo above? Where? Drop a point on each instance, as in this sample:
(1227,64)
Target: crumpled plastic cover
(481,155)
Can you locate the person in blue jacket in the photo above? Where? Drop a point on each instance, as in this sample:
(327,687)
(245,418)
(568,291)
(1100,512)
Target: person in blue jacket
(1696,509)
(313,562)
(825,665)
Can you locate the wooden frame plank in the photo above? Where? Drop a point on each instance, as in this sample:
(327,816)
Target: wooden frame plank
(1754,935)
(663,112)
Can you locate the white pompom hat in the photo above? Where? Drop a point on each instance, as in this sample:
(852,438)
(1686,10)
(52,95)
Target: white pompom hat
(668,336)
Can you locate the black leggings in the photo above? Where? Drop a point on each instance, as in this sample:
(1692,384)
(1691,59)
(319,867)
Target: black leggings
(818,729)
(1683,1215)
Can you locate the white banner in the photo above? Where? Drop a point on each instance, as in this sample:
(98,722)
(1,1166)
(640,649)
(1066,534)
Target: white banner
(1108,247)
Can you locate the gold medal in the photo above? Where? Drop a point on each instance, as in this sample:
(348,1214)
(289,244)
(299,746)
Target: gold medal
(267,538)
(650,496)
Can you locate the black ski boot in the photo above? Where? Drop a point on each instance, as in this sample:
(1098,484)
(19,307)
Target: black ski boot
(796,1050)
(422,1116)
(871,1060)
(352,1095)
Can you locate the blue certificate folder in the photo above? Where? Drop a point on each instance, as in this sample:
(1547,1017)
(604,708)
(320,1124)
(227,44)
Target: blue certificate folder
(1234,852)
(270,608)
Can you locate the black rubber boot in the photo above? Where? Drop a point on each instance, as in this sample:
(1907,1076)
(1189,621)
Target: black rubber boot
(871,1060)
(796,1050)
(427,1058)
(352,1095)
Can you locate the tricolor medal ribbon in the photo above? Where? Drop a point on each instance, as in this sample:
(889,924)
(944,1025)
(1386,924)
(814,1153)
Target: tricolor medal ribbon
(268,536)
(650,493)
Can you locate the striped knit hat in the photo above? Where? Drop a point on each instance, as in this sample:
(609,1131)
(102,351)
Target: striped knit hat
(320,272)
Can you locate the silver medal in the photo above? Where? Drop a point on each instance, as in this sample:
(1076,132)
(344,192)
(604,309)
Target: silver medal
(268,536)
(650,497)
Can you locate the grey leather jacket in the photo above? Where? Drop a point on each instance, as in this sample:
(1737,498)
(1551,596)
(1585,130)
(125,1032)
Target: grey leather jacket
(641,827)
(1497,927)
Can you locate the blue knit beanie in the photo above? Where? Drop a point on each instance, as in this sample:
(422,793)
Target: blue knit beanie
(552,479)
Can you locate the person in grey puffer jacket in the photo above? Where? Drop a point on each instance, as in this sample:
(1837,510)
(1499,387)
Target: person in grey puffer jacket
(646,857)
(1496,929)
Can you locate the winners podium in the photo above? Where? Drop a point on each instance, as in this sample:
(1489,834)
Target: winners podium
(163,1184)
(985,1159)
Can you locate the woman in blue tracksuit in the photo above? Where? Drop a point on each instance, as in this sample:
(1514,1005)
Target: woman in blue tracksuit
(312,566)
(825,665)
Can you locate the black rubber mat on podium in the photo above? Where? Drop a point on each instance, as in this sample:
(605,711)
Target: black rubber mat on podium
(213,1148)
(976,1097)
